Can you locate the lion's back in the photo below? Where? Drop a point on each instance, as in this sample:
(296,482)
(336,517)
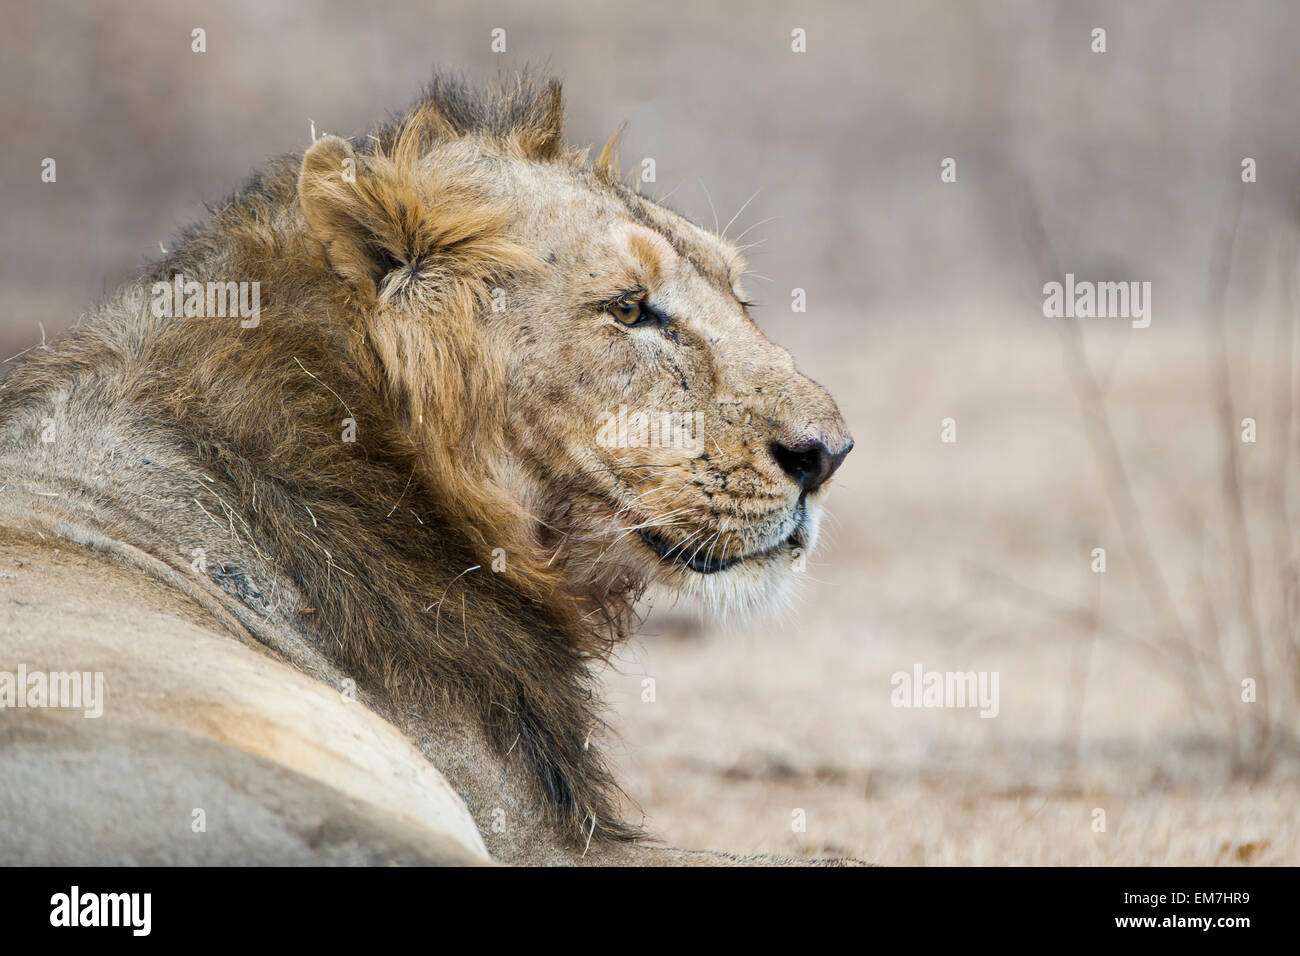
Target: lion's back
(207,750)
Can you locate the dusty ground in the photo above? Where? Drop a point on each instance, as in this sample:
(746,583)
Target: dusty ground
(947,555)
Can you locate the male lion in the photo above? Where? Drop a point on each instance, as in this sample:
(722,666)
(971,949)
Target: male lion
(384,521)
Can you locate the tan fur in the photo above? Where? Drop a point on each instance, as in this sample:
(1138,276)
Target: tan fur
(606,168)
(444,284)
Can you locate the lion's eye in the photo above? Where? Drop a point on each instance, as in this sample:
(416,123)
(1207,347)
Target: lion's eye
(629,311)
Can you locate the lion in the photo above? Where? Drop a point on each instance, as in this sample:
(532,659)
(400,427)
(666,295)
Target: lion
(347,494)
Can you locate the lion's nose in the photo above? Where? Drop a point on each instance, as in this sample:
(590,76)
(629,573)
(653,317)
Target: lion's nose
(811,462)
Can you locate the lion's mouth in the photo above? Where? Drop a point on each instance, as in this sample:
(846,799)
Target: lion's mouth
(684,555)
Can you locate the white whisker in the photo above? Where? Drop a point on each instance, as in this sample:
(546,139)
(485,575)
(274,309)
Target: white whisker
(739,211)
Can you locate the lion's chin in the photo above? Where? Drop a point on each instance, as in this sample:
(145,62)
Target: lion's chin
(759,584)
(605,558)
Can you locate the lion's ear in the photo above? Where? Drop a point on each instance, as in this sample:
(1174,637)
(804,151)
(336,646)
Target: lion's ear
(367,215)
(377,212)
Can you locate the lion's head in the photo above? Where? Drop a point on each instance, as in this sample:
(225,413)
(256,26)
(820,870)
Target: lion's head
(554,335)
(472,348)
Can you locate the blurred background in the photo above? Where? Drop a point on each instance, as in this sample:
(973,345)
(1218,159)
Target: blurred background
(1120,691)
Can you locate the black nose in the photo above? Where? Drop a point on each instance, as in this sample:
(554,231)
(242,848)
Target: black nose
(810,463)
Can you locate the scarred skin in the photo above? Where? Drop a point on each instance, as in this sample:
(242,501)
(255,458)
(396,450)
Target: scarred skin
(405,482)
